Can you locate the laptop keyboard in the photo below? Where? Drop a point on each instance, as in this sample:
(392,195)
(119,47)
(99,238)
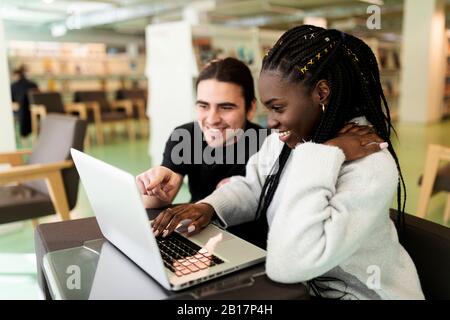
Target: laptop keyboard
(183,257)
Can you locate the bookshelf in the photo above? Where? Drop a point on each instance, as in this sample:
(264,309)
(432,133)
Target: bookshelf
(251,44)
(68,67)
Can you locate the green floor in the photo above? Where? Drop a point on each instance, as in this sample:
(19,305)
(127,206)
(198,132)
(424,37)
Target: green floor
(17,265)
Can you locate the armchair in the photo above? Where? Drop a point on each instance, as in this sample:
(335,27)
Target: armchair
(47,183)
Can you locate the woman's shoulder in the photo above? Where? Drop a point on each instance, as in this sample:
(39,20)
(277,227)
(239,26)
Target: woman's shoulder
(379,166)
(381,162)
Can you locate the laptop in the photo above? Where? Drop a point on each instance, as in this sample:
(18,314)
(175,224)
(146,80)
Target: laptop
(124,281)
(175,262)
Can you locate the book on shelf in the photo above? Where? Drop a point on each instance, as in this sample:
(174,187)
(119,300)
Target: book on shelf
(74,66)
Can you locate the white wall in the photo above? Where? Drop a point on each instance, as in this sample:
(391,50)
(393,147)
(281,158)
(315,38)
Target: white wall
(7,136)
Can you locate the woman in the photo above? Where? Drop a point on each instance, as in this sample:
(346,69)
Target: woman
(328,194)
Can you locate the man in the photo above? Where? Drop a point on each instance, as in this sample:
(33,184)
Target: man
(216,146)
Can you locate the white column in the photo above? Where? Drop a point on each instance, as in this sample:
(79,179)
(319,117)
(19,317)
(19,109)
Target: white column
(424,61)
(7,136)
(171,68)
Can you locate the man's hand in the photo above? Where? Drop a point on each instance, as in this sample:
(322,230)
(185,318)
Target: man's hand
(357,141)
(160,182)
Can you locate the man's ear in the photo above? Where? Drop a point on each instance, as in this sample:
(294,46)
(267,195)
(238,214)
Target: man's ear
(251,111)
(321,93)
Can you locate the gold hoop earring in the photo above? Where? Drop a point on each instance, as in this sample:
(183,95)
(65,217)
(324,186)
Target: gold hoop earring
(323,107)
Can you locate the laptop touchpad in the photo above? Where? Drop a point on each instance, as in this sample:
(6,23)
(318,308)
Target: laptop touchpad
(212,236)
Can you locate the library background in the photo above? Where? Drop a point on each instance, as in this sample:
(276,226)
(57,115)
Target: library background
(112,63)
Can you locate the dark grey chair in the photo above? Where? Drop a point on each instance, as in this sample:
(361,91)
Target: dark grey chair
(428,244)
(43,103)
(139,99)
(52,101)
(48,182)
(104,111)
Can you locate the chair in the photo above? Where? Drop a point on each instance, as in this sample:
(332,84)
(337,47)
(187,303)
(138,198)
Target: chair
(428,244)
(108,111)
(435,180)
(48,182)
(139,100)
(43,103)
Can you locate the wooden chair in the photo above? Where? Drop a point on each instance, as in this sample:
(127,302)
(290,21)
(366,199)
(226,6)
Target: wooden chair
(111,112)
(139,100)
(48,182)
(435,179)
(43,103)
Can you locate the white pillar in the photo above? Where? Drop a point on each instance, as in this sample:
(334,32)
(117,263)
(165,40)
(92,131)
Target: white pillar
(171,68)
(7,136)
(424,61)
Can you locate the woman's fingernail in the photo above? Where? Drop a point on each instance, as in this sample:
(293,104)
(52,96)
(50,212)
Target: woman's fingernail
(384,145)
(191,228)
(165,233)
(156,232)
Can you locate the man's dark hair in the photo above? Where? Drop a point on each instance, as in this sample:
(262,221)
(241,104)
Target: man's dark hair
(233,71)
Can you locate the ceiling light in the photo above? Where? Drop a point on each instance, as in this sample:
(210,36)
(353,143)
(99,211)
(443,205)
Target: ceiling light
(58,30)
(47,1)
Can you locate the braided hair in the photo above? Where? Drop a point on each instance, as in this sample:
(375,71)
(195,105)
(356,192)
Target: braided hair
(308,54)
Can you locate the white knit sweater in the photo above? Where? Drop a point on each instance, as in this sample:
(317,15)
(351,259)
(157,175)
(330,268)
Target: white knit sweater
(327,218)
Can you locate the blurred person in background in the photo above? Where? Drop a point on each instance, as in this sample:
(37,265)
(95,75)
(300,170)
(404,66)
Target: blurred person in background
(20,87)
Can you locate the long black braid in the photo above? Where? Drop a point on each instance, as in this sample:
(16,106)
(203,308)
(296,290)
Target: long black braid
(308,54)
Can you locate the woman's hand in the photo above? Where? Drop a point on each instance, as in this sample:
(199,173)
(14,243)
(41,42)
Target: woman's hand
(160,182)
(191,217)
(357,141)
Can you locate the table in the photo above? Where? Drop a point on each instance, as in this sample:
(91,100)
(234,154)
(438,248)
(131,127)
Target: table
(249,283)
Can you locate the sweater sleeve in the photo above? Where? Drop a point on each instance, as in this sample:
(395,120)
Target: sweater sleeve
(329,211)
(236,202)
